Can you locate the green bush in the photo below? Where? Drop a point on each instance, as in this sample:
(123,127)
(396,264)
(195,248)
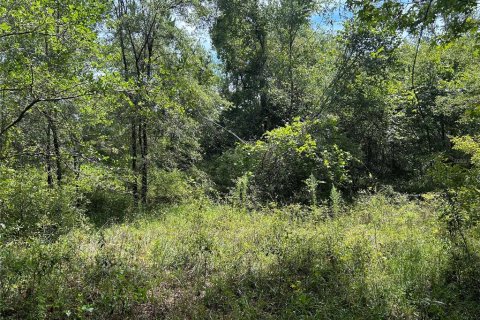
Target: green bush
(286,158)
(30,208)
(167,187)
(105,206)
(103,194)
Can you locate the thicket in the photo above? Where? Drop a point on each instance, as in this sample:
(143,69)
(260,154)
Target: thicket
(269,168)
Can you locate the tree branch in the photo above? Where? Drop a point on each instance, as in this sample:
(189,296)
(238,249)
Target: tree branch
(32,104)
(222,127)
(422,28)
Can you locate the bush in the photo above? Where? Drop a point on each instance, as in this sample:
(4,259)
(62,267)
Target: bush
(103,194)
(167,187)
(286,158)
(29,208)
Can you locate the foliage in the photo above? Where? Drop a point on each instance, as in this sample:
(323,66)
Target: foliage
(148,172)
(168,187)
(336,201)
(382,258)
(29,209)
(457,16)
(287,156)
(312,187)
(461,184)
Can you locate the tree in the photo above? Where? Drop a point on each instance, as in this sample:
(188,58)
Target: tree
(240,35)
(154,65)
(268,50)
(45,48)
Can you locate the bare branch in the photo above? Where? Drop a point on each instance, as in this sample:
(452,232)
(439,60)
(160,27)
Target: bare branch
(223,128)
(32,104)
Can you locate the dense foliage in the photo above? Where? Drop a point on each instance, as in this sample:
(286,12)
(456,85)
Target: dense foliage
(239,159)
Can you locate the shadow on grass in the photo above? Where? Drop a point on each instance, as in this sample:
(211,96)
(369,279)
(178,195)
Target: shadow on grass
(331,293)
(105,208)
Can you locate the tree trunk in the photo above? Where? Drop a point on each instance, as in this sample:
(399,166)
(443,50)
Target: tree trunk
(48,158)
(77,168)
(56,147)
(134,161)
(290,75)
(53,132)
(144,150)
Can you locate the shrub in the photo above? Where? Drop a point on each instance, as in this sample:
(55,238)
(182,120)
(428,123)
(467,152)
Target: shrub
(286,157)
(28,207)
(167,187)
(103,194)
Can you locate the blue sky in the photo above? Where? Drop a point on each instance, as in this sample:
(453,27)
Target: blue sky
(333,21)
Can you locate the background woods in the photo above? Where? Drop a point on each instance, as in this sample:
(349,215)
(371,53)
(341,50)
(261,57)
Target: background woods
(244,159)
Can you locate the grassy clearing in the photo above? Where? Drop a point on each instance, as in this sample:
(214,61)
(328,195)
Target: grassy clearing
(380,259)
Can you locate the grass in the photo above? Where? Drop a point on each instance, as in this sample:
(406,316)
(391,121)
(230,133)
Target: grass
(381,259)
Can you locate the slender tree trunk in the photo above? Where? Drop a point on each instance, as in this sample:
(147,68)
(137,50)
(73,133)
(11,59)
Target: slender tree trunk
(53,132)
(426,127)
(290,74)
(144,163)
(56,148)
(140,144)
(444,134)
(48,158)
(77,168)
(134,161)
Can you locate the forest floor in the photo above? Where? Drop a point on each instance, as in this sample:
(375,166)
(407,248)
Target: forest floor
(379,259)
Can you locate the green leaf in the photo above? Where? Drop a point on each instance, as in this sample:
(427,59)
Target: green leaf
(5,27)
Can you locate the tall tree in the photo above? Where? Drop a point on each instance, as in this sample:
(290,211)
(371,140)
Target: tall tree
(46,50)
(154,55)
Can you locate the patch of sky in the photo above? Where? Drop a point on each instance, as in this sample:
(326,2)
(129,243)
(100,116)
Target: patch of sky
(200,34)
(331,18)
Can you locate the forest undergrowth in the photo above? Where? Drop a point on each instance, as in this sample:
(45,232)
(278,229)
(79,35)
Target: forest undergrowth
(383,258)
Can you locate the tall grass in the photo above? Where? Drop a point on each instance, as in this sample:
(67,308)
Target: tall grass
(381,259)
